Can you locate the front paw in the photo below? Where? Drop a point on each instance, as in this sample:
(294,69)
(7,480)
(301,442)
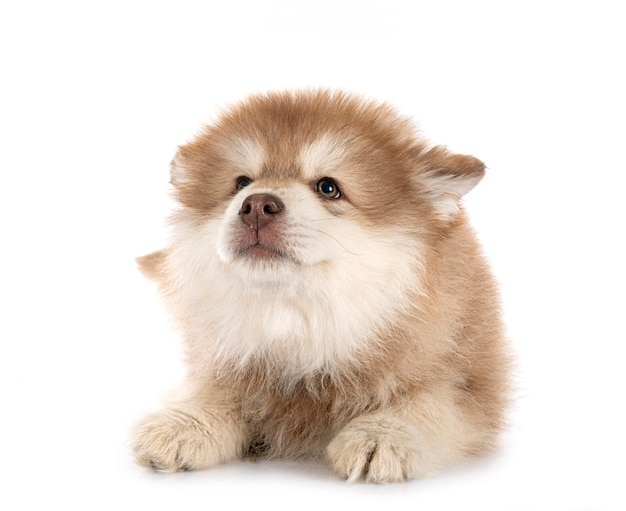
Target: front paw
(173,441)
(377,450)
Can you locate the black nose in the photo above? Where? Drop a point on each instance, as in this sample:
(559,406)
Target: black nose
(260,209)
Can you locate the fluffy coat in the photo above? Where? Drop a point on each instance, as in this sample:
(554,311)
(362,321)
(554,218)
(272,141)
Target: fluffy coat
(333,299)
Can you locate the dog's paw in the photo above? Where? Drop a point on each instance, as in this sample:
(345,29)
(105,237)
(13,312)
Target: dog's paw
(377,450)
(174,441)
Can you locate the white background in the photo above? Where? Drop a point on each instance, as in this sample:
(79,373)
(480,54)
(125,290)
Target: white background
(95,97)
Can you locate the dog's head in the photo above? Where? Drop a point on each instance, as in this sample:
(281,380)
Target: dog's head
(294,179)
(317,200)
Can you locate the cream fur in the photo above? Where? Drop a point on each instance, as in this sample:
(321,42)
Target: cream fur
(311,314)
(363,329)
(244,153)
(322,156)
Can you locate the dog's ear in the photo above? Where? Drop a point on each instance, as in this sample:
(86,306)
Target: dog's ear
(151,265)
(445,177)
(177,172)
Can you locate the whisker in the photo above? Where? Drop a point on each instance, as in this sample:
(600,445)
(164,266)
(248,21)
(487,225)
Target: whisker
(339,243)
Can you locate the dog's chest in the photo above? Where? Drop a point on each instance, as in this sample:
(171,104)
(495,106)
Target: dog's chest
(298,334)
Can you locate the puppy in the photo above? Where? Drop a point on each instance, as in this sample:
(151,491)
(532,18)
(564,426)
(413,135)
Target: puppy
(333,300)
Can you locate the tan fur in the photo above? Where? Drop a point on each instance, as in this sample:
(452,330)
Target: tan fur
(150,265)
(374,339)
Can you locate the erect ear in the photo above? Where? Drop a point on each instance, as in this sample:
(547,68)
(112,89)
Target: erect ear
(446,177)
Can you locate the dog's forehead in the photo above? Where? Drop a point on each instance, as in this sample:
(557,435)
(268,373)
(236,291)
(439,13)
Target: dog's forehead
(286,157)
(308,135)
(322,156)
(244,153)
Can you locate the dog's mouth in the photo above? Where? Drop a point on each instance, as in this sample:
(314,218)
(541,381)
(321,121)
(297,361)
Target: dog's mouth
(263,252)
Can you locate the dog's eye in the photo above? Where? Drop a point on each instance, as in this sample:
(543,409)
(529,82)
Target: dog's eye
(242,182)
(327,188)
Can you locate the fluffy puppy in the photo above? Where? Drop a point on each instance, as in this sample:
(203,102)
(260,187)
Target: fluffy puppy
(333,300)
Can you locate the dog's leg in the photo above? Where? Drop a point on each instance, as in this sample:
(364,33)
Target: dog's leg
(199,430)
(410,439)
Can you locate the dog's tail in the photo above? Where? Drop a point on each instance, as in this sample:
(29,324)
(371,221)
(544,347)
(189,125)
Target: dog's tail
(151,265)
